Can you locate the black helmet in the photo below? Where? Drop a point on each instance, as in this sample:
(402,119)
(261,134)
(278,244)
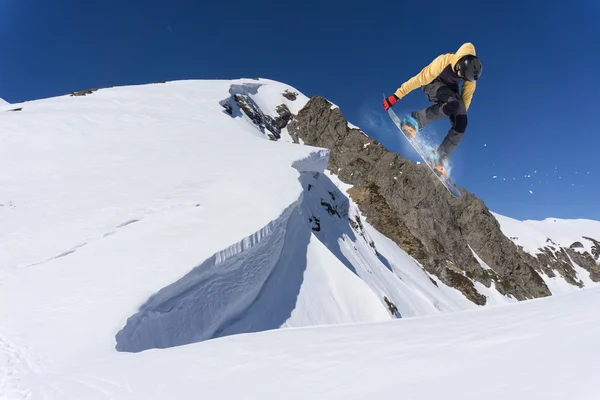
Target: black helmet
(469,67)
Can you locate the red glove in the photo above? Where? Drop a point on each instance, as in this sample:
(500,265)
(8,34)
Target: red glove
(390,101)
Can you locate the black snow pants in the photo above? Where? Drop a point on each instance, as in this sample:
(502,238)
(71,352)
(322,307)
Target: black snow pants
(447,103)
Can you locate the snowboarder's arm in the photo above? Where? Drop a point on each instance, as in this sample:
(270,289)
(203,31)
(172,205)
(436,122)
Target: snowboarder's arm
(426,76)
(467,92)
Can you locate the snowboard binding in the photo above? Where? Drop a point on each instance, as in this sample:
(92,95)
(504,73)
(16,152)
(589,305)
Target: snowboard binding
(410,126)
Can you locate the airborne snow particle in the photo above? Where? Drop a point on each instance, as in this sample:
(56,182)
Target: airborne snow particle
(530,192)
(485,145)
(494,177)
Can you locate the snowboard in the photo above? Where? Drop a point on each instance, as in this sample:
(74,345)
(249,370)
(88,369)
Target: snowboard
(442,178)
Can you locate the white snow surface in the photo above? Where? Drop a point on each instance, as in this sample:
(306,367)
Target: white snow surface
(3,102)
(152,245)
(534,235)
(537,349)
(136,220)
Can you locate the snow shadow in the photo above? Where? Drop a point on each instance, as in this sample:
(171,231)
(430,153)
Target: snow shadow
(247,89)
(385,262)
(325,203)
(251,286)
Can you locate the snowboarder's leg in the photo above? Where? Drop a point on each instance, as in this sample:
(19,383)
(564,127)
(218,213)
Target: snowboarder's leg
(442,97)
(455,134)
(447,103)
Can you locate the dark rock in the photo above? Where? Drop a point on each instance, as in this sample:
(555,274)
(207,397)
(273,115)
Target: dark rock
(252,111)
(329,208)
(285,116)
(595,247)
(261,120)
(555,259)
(290,95)
(15,109)
(84,92)
(316,223)
(228,108)
(585,260)
(392,307)
(405,202)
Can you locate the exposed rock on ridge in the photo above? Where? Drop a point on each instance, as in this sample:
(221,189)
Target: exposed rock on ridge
(403,201)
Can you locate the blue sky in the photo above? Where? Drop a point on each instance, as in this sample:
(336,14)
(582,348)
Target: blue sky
(532,123)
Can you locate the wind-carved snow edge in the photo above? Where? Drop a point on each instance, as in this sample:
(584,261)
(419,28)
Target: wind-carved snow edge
(210,300)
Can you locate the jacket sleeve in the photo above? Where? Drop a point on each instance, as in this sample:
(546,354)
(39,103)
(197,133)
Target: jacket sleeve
(467,92)
(426,76)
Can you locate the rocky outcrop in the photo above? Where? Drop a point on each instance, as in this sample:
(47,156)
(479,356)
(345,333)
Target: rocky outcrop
(553,260)
(84,92)
(290,95)
(405,202)
(258,118)
(595,247)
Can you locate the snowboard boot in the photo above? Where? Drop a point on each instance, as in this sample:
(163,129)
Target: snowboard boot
(410,126)
(437,162)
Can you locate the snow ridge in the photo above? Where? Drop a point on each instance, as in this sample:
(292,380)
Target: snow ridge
(215,295)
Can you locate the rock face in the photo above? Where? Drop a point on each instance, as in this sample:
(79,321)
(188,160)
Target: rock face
(261,120)
(406,203)
(553,258)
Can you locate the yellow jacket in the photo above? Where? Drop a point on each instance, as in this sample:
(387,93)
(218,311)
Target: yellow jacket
(433,70)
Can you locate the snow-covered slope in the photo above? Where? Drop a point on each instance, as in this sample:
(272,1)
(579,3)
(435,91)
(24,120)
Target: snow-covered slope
(543,349)
(149,217)
(535,235)
(546,349)
(564,246)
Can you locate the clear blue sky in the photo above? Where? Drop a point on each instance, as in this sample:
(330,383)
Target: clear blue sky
(534,112)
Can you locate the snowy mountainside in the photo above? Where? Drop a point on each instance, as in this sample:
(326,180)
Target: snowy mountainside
(156,216)
(535,235)
(568,250)
(541,349)
(147,217)
(459,241)
(3,102)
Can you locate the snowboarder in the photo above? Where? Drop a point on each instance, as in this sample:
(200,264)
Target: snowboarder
(439,81)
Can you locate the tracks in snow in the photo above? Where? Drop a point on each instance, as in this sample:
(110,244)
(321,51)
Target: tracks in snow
(13,366)
(82,244)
